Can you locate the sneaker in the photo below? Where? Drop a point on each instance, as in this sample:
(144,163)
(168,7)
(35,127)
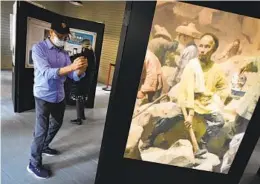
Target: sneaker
(83,118)
(76,121)
(39,171)
(50,152)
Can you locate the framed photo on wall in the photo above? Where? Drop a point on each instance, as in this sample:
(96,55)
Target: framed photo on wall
(187,106)
(37,30)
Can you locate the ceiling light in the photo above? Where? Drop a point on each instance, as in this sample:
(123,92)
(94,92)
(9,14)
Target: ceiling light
(76,3)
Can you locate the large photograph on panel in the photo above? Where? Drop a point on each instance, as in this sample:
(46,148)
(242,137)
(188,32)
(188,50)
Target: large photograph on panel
(198,90)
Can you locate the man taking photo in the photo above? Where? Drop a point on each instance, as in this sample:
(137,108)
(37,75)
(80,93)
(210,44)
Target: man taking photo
(51,66)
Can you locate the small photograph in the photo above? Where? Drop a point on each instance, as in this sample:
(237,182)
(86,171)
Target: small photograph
(198,90)
(76,37)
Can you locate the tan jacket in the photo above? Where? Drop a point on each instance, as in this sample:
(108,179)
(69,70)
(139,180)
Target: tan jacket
(151,79)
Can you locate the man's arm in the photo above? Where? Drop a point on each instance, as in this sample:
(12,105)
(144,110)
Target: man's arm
(222,89)
(226,50)
(186,91)
(150,78)
(187,55)
(252,66)
(40,61)
(186,96)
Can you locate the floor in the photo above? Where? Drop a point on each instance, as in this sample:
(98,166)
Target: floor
(79,144)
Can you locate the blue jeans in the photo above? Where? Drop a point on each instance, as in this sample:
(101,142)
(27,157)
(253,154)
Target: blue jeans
(49,118)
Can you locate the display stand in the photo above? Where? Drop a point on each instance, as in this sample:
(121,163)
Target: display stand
(129,64)
(108,87)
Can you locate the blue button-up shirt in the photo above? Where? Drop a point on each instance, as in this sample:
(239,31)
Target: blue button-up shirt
(47,59)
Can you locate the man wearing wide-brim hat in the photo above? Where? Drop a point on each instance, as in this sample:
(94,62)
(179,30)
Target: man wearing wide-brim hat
(186,35)
(162,43)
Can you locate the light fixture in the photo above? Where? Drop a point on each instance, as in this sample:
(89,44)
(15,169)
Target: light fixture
(76,3)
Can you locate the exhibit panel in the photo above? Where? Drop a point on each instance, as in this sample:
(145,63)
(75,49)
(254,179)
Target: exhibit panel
(196,87)
(33,25)
(214,91)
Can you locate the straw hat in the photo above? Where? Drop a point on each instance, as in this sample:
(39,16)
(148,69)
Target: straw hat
(189,30)
(161,31)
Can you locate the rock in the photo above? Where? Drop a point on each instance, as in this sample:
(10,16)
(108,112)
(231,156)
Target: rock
(143,119)
(231,153)
(173,92)
(185,10)
(205,16)
(204,167)
(207,162)
(163,109)
(249,26)
(134,137)
(211,158)
(179,154)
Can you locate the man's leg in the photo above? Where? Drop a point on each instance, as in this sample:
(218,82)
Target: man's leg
(150,96)
(161,126)
(57,114)
(258,172)
(42,110)
(240,124)
(79,112)
(82,108)
(214,122)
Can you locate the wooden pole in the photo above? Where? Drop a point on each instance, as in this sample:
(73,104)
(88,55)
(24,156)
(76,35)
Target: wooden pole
(191,132)
(154,102)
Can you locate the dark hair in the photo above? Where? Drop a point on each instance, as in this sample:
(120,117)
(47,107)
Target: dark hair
(215,38)
(85,40)
(237,40)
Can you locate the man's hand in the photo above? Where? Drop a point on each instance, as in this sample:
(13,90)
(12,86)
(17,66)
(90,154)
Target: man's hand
(140,95)
(82,70)
(79,63)
(188,121)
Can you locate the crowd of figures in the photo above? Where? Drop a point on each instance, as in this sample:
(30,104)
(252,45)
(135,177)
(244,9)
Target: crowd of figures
(184,94)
